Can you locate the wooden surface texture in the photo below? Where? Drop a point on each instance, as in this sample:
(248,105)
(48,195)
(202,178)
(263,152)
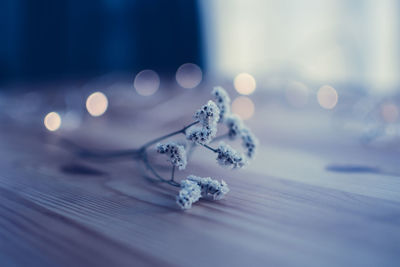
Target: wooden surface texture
(314,196)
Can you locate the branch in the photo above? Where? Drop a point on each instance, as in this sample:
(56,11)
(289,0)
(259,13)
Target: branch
(152,142)
(210,148)
(155,173)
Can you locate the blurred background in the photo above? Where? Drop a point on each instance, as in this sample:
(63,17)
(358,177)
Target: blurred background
(354,42)
(338,55)
(70,38)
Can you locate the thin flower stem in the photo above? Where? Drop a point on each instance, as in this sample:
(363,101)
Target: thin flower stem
(193,145)
(155,173)
(210,148)
(152,142)
(135,153)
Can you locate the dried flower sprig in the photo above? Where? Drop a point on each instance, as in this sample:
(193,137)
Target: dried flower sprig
(202,131)
(176,154)
(228,157)
(235,126)
(210,188)
(249,141)
(193,188)
(223,102)
(190,192)
(208,115)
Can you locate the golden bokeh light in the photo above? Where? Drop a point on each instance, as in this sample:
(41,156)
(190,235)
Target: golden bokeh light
(389,112)
(189,75)
(243,107)
(146,82)
(327,97)
(96,104)
(244,83)
(52,121)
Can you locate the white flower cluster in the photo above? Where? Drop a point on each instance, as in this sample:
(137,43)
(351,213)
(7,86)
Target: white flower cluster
(210,188)
(208,114)
(190,192)
(223,102)
(202,135)
(234,123)
(194,187)
(228,157)
(202,131)
(249,141)
(208,117)
(176,154)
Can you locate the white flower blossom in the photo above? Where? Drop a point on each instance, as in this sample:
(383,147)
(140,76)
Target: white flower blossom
(210,187)
(249,141)
(234,124)
(176,154)
(208,115)
(229,157)
(223,102)
(201,135)
(190,192)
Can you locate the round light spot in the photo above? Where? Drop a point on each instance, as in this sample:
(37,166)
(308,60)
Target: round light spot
(189,75)
(244,83)
(52,121)
(146,82)
(96,104)
(243,107)
(327,97)
(297,94)
(389,112)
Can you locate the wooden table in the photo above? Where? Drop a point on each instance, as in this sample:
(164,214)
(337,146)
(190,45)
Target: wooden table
(314,196)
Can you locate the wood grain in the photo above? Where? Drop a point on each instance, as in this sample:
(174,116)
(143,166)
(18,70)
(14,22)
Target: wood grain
(288,208)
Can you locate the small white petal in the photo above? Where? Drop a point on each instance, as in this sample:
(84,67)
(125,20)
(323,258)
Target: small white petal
(235,125)
(210,188)
(208,114)
(176,153)
(249,141)
(189,194)
(223,102)
(228,157)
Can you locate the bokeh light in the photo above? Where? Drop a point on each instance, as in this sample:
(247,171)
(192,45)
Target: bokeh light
(243,107)
(189,75)
(146,82)
(52,121)
(327,97)
(96,104)
(389,112)
(244,83)
(297,94)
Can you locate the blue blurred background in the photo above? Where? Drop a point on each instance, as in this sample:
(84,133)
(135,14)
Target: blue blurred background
(48,39)
(334,41)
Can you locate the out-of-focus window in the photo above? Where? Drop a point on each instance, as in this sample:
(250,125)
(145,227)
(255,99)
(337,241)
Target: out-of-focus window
(346,41)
